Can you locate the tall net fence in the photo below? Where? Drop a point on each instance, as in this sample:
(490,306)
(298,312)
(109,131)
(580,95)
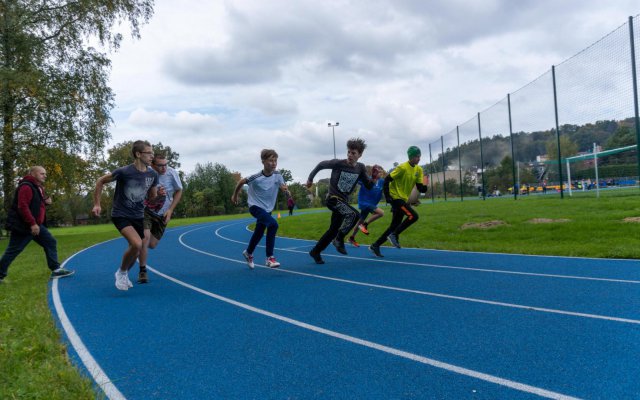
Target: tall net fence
(572,128)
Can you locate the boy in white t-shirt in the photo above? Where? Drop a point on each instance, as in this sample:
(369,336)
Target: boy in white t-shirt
(158,213)
(263,192)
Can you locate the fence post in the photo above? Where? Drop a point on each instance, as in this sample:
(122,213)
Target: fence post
(513,154)
(433,197)
(444,173)
(555,107)
(459,163)
(635,94)
(481,158)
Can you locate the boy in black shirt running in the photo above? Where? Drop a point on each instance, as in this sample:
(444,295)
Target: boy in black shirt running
(344,177)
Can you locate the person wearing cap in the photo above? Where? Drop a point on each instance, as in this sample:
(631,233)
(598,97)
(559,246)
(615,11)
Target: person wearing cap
(368,200)
(397,189)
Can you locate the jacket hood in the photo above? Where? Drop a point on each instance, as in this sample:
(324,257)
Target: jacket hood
(30,179)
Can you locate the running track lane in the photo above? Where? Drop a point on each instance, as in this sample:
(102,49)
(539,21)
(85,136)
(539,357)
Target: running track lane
(416,324)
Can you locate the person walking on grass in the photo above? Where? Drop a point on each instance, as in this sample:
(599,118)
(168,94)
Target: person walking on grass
(344,177)
(290,205)
(26,222)
(397,188)
(158,214)
(263,193)
(368,204)
(134,183)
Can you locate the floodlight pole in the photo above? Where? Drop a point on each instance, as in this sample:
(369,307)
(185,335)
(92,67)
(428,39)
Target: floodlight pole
(555,107)
(333,126)
(635,93)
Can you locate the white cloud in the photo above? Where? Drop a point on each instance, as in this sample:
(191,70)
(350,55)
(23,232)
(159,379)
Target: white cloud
(220,80)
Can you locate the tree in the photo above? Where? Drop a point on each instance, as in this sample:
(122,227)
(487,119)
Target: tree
(623,136)
(213,184)
(120,155)
(568,148)
(53,86)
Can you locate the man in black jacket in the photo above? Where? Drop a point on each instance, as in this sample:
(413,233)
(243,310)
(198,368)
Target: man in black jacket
(25,221)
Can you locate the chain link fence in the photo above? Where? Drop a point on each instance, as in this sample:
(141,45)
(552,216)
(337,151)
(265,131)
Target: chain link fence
(574,128)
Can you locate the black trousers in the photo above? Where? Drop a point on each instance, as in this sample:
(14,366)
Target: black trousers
(403,216)
(343,219)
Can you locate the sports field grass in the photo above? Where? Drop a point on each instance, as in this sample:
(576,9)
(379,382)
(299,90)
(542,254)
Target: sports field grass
(579,227)
(34,364)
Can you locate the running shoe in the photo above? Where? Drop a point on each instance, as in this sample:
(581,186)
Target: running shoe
(121,281)
(316,257)
(129,283)
(339,246)
(271,262)
(249,259)
(363,229)
(353,242)
(61,273)
(375,250)
(142,275)
(394,240)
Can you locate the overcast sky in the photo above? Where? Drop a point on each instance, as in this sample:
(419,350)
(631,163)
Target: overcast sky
(220,80)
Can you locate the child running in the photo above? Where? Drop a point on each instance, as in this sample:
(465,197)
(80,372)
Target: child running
(134,183)
(397,188)
(368,204)
(263,192)
(344,177)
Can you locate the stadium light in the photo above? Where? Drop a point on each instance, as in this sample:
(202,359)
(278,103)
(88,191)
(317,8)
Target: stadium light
(333,126)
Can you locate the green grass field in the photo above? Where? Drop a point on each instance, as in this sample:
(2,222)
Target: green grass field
(579,227)
(34,362)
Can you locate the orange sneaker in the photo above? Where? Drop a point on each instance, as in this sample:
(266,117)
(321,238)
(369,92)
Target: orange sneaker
(353,242)
(363,229)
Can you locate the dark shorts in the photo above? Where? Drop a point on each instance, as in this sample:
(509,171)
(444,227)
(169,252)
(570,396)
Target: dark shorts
(365,211)
(121,223)
(154,223)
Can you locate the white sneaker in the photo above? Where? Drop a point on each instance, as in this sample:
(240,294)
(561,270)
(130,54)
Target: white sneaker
(129,283)
(249,259)
(121,281)
(272,263)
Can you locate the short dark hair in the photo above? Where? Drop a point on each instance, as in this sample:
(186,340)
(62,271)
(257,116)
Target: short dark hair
(356,144)
(138,147)
(268,153)
(159,156)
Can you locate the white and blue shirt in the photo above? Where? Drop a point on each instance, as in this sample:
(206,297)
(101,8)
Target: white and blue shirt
(263,190)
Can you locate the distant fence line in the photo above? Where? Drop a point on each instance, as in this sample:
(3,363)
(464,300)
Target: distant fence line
(592,93)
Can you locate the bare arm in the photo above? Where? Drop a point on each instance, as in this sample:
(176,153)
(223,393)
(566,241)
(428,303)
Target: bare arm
(177,195)
(98,193)
(241,183)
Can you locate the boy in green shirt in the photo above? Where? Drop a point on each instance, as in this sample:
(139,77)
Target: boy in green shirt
(397,188)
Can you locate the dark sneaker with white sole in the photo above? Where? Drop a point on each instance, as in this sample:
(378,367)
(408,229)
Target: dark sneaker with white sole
(376,251)
(61,273)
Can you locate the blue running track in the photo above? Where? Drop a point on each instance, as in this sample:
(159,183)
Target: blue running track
(417,324)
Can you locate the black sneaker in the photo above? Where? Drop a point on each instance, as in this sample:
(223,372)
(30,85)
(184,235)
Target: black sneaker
(394,240)
(142,275)
(316,257)
(376,251)
(339,246)
(61,273)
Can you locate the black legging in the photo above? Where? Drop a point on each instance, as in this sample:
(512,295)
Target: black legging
(400,210)
(343,219)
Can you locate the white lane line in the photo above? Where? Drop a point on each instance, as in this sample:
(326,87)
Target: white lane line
(97,373)
(390,350)
(495,271)
(420,292)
